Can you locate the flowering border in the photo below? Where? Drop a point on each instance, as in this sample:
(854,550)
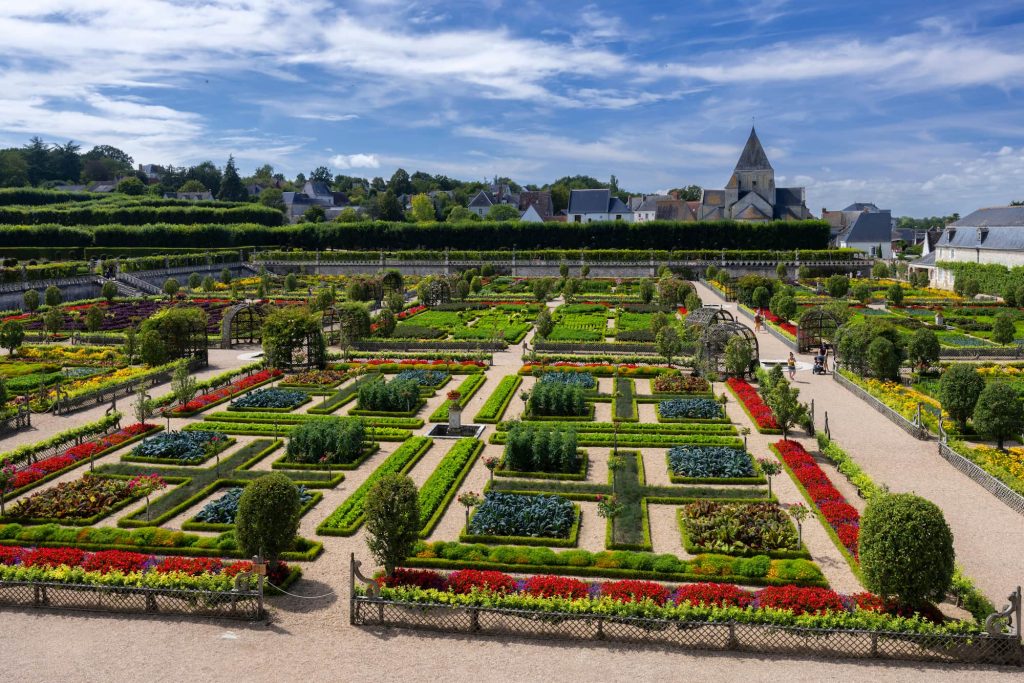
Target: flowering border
(840,519)
(751,401)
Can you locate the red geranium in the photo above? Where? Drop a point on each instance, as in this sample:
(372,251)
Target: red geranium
(418,578)
(757,408)
(556,586)
(800,600)
(115,560)
(465,580)
(714,594)
(10,554)
(630,590)
(193,566)
(52,557)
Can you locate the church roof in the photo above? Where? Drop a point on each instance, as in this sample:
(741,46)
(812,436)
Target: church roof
(753,157)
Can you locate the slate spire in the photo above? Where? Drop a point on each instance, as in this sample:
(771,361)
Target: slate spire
(753,157)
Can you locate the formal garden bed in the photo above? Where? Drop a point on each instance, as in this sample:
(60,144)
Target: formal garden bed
(712,465)
(277,400)
(524,519)
(179,448)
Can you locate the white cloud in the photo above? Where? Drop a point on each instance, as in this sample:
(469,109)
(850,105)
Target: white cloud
(349,161)
(326,117)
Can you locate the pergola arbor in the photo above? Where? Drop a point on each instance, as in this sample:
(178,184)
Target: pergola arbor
(711,347)
(815,326)
(293,338)
(706,316)
(178,332)
(242,324)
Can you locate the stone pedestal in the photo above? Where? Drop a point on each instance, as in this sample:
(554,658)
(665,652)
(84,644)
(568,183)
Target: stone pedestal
(454,417)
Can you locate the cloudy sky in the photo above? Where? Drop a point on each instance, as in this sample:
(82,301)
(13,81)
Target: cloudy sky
(917,106)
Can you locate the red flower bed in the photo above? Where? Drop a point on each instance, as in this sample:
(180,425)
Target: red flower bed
(116,560)
(9,554)
(682,310)
(193,566)
(630,590)
(55,463)
(52,557)
(757,408)
(840,515)
(410,312)
(418,578)
(556,586)
(236,387)
(772,318)
(465,580)
(714,594)
(800,600)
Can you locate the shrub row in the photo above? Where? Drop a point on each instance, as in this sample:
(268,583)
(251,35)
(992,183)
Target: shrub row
(497,402)
(437,492)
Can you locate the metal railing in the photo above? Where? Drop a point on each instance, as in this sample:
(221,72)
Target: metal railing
(1004,493)
(915,428)
(993,647)
(138,283)
(238,603)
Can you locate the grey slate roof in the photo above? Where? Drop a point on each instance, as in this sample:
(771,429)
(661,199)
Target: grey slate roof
(753,157)
(861,206)
(926,261)
(616,205)
(538,199)
(590,201)
(874,228)
(1003,238)
(992,217)
(481,200)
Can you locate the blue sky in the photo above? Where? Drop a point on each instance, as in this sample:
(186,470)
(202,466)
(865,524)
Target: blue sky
(916,106)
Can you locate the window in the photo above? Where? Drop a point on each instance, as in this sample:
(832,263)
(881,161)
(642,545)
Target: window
(577,218)
(618,216)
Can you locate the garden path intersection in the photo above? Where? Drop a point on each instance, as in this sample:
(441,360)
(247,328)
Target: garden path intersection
(989,541)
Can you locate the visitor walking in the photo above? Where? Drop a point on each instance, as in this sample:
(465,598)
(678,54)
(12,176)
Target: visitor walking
(791,364)
(823,352)
(757,320)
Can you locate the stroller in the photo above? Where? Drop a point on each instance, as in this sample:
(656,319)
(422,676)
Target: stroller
(819,365)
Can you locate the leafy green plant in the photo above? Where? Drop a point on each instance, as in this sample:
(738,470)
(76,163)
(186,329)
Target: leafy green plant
(335,440)
(510,514)
(392,519)
(701,462)
(268,516)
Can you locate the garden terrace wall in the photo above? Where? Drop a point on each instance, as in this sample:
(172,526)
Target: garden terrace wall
(916,431)
(724,637)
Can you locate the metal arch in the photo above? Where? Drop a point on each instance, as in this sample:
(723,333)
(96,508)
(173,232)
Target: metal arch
(714,339)
(707,316)
(815,325)
(242,324)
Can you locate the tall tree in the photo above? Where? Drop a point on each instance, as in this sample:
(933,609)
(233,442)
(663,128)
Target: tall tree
(422,209)
(400,183)
(321,174)
(231,189)
(208,174)
(37,158)
(389,208)
(13,169)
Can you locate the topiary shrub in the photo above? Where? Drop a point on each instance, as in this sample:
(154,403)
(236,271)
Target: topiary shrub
(838,286)
(1004,330)
(392,520)
(906,549)
(883,360)
(959,389)
(999,414)
(923,349)
(268,516)
(337,440)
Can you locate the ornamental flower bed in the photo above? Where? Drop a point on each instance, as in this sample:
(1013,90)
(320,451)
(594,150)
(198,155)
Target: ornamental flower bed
(410,312)
(90,496)
(841,516)
(755,406)
(583,380)
(511,514)
(186,447)
(75,454)
(720,462)
(224,509)
(680,384)
(690,408)
(786,326)
(737,527)
(705,602)
(285,399)
(424,378)
(236,387)
(118,567)
(317,378)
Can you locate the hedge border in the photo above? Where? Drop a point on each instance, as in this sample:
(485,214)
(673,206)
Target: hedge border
(228,443)
(368,450)
(722,481)
(435,518)
(580,475)
(499,411)
(693,549)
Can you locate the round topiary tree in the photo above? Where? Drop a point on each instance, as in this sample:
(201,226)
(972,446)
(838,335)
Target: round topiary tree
(906,549)
(838,286)
(999,414)
(392,520)
(959,389)
(109,290)
(923,349)
(883,360)
(738,356)
(879,270)
(761,297)
(1003,329)
(52,296)
(268,516)
(895,294)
